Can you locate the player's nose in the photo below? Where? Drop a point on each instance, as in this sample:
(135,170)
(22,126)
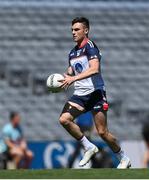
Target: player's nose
(73,32)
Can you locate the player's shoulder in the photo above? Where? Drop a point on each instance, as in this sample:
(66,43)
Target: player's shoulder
(7,127)
(92,50)
(73,49)
(72,52)
(91,44)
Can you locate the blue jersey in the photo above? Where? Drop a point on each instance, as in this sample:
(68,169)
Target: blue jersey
(79,58)
(14,134)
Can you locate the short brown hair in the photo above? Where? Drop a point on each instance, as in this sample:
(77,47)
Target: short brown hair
(13,114)
(82,20)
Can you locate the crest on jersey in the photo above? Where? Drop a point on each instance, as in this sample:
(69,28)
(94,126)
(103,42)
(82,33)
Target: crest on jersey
(78,67)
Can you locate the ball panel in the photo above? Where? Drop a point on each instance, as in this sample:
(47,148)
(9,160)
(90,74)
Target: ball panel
(53,83)
(56,79)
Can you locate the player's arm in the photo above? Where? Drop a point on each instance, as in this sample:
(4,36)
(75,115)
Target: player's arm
(9,143)
(70,71)
(23,144)
(94,67)
(94,57)
(6,137)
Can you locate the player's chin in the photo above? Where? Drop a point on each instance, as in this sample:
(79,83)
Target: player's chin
(75,39)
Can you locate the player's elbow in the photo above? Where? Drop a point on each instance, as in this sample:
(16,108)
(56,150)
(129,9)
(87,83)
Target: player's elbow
(95,71)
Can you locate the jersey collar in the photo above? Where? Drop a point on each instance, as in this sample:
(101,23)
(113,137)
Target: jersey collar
(84,42)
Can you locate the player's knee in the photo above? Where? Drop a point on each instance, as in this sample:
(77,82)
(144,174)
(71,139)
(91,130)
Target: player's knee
(64,120)
(21,154)
(16,152)
(30,155)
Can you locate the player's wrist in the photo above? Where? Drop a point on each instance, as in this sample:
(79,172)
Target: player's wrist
(75,78)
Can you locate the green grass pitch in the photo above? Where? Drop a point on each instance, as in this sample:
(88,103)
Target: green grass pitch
(75,174)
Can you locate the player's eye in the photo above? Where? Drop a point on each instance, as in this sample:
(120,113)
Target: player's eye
(74,30)
(77,29)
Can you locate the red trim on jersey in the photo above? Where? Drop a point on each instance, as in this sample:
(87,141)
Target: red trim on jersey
(84,42)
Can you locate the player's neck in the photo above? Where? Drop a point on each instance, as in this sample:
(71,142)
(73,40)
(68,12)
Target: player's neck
(82,43)
(14,125)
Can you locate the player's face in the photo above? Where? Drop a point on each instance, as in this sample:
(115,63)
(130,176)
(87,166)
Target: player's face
(79,32)
(16,120)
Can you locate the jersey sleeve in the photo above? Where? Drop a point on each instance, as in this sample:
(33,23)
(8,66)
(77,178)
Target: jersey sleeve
(5,133)
(68,60)
(69,57)
(93,52)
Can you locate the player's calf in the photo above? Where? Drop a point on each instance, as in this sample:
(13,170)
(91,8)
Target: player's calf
(102,133)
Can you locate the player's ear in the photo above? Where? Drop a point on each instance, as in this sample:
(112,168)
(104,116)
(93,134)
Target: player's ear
(86,31)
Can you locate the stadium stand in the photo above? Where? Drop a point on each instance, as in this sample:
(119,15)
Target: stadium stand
(35,38)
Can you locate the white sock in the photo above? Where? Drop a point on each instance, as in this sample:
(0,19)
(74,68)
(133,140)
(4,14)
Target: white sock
(120,154)
(86,143)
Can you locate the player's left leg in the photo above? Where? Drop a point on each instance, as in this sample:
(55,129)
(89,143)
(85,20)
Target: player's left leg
(100,119)
(28,156)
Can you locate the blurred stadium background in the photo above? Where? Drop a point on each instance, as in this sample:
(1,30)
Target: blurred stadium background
(35,39)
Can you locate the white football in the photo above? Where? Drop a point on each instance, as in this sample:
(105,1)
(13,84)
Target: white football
(53,83)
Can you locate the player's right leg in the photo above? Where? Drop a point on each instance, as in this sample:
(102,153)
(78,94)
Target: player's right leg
(17,154)
(100,119)
(67,117)
(70,112)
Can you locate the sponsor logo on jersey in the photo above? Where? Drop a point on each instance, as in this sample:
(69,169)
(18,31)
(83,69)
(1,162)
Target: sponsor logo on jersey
(78,67)
(79,52)
(72,54)
(97,107)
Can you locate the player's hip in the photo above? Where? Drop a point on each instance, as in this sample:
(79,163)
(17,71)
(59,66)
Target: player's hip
(95,101)
(87,90)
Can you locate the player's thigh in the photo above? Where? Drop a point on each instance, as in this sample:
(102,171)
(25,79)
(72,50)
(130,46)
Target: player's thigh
(16,151)
(29,154)
(100,119)
(99,111)
(70,112)
(79,107)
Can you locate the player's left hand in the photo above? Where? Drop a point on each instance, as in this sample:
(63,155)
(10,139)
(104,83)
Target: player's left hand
(67,81)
